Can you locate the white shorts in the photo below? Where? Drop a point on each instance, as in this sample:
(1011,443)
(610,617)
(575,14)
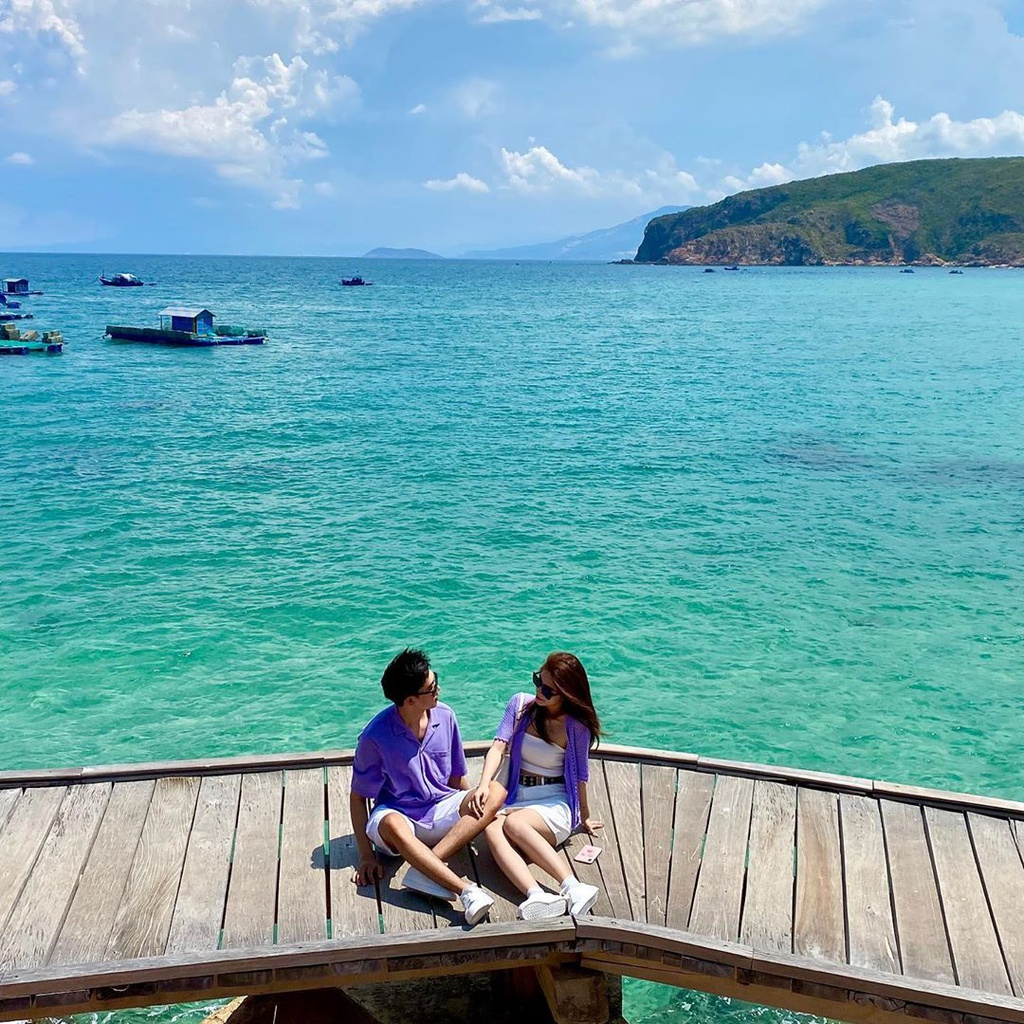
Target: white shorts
(550,803)
(446,814)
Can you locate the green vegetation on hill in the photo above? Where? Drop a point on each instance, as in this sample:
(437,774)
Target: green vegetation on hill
(968,212)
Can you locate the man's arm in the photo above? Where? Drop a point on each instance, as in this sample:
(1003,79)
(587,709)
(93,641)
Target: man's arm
(459,782)
(369,868)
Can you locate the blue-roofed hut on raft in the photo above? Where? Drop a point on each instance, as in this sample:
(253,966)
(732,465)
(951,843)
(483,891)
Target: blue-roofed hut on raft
(16,286)
(182,318)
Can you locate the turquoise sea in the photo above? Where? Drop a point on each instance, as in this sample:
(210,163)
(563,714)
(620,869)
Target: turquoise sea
(778,513)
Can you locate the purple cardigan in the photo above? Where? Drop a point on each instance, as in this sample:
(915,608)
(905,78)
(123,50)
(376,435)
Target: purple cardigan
(577,751)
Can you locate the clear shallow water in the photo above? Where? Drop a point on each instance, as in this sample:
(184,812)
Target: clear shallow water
(778,513)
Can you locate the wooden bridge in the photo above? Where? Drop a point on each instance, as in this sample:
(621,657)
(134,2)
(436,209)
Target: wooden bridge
(860,900)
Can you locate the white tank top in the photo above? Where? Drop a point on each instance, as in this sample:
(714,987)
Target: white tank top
(541,758)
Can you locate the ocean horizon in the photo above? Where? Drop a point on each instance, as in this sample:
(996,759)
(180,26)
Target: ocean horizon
(777,513)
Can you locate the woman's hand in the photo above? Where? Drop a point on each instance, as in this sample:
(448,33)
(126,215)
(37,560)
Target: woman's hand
(592,825)
(370,870)
(478,800)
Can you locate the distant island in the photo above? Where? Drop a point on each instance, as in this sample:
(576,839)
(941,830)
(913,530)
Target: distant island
(400,254)
(604,244)
(926,212)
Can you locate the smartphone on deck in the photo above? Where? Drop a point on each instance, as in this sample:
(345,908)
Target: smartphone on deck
(588,854)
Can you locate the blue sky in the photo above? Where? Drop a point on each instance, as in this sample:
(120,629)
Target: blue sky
(333,126)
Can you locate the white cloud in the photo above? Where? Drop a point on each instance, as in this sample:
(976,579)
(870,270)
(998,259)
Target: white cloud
(322,26)
(44,19)
(475,97)
(249,132)
(420,108)
(7,87)
(695,22)
(890,140)
(325,189)
(496,14)
(461,182)
(20,159)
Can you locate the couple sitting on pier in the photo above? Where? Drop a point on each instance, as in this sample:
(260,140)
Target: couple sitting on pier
(532,793)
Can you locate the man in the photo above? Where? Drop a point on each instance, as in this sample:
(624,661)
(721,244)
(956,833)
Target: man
(410,762)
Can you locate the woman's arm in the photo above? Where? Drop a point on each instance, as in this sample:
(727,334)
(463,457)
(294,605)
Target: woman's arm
(590,824)
(492,760)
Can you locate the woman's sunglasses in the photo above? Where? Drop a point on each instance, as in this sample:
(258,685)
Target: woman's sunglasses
(546,691)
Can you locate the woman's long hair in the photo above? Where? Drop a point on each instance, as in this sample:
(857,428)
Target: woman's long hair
(569,678)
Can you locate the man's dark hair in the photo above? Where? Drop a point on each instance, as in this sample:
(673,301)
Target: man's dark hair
(406,675)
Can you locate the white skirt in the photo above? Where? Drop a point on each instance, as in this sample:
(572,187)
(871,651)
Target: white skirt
(550,803)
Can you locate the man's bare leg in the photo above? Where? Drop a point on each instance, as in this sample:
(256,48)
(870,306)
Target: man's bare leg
(468,827)
(396,831)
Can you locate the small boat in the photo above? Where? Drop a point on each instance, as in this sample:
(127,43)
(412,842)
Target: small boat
(185,326)
(7,303)
(4,317)
(956,271)
(354,282)
(17,343)
(730,268)
(121,281)
(906,270)
(709,270)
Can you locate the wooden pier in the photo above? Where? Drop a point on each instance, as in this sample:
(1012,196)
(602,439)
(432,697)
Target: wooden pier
(860,900)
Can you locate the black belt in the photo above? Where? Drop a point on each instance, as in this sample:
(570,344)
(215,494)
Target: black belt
(539,780)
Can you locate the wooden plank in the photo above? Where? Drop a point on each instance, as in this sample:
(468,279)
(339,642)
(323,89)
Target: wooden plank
(767,921)
(659,800)
(694,791)
(623,781)
(8,798)
(83,937)
(870,927)
(716,904)
(199,908)
(252,887)
(819,925)
(976,955)
(35,922)
(613,877)
(354,911)
(403,910)
(302,887)
(24,834)
(144,917)
(921,930)
(1003,876)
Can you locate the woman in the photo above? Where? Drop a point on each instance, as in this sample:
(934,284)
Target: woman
(548,736)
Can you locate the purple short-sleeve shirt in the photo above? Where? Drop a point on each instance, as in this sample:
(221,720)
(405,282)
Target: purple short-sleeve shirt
(395,770)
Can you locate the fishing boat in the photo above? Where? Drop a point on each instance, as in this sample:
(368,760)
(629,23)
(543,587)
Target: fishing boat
(185,326)
(22,343)
(7,303)
(122,281)
(354,282)
(4,317)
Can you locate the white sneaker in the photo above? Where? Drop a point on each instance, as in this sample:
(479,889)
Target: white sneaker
(582,898)
(541,905)
(419,882)
(475,902)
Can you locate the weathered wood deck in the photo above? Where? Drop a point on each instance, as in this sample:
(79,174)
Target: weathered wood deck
(862,900)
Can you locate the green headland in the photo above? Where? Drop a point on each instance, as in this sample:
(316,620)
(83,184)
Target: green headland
(927,212)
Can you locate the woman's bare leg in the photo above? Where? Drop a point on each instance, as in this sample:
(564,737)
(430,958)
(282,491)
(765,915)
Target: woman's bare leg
(529,834)
(507,857)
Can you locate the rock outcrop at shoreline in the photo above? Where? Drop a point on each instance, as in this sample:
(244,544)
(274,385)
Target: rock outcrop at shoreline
(924,213)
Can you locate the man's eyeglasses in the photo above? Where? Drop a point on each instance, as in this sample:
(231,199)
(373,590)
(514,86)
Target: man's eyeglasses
(431,690)
(546,691)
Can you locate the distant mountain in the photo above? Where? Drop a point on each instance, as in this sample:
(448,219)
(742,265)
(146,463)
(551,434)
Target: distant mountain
(616,243)
(400,254)
(928,212)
